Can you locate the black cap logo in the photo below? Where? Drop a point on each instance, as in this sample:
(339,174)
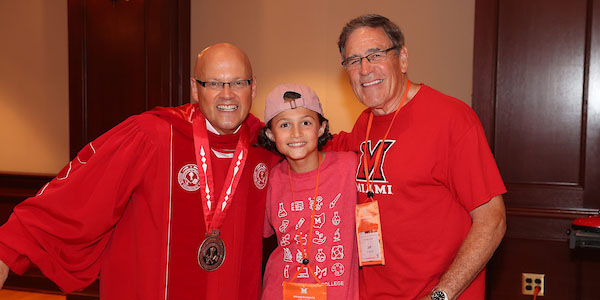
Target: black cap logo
(290,97)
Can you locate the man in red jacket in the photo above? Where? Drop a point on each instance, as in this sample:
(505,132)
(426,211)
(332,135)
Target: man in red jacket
(169,204)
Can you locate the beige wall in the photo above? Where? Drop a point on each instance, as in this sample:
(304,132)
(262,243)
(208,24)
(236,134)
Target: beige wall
(287,41)
(34,96)
(295,41)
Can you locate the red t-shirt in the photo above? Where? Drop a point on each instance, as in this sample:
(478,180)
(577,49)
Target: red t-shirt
(436,167)
(333,252)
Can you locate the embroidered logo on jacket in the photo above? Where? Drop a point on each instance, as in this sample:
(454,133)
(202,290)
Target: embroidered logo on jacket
(261,174)
(188,178)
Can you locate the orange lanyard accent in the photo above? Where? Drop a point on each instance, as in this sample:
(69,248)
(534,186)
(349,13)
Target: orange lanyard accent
(312,218)
(380,150)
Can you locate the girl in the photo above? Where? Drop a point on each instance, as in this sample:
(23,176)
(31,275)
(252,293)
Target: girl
(310,202)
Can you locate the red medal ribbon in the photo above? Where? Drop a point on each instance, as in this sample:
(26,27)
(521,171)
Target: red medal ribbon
(215,211)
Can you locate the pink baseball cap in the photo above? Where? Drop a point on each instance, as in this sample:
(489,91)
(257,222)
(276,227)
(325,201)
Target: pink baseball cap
(290,96)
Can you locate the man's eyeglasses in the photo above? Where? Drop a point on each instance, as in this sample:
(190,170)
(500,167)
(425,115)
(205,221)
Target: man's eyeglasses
(219,85)
(354,62)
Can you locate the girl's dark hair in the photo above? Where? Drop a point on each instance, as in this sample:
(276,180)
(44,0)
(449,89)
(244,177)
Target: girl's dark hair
(265,142)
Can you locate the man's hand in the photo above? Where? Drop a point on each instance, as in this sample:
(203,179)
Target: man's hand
(3,273)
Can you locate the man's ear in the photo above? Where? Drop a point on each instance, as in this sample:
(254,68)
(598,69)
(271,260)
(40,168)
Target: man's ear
(253,85)
(270,135)
(194,90)
(404,59)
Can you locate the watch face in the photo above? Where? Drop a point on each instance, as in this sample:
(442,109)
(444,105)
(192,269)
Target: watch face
(439,295)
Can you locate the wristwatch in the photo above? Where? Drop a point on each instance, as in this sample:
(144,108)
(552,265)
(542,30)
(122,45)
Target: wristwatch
(439,295)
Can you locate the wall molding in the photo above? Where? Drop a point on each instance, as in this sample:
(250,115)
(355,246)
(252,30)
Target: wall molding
(17,187)
(552,213)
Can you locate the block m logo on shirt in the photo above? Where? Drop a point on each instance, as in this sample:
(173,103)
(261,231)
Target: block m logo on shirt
(375,171)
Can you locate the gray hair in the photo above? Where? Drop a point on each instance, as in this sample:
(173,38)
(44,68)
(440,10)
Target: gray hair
(374,21)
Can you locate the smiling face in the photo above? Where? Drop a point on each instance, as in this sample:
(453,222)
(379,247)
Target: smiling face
(380,85)
(296,133)
(224,108)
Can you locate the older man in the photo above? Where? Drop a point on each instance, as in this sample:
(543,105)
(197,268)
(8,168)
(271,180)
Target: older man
(168,204)
(425,161)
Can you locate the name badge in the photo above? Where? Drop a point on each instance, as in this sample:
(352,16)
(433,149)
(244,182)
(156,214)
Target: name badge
(368,233)
(304,291)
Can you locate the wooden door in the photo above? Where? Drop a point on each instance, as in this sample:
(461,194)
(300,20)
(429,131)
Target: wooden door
(536,88)
(125,57)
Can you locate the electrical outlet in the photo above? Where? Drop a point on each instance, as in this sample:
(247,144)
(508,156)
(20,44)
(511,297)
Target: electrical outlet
(530,281)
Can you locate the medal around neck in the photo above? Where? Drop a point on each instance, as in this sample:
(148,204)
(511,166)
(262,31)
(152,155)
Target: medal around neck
(211,254)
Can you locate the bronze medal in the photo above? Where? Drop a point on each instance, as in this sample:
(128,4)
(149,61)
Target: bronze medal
(211,254)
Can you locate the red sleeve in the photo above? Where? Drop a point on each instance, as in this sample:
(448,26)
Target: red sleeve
(341,141)
(349,141)
(474,173)
(65,228)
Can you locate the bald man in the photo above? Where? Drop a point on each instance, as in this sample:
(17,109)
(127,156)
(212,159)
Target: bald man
(168,204)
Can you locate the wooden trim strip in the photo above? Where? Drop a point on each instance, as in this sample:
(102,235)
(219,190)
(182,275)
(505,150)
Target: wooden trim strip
(552,213)
(21,186)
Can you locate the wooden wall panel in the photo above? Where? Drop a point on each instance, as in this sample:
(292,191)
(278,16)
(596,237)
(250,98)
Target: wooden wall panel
(504,272)
(125,57)
(592,109)
(570,274)
(115,68)
(537,98)
(539,91)
(536,89)
(484,66)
